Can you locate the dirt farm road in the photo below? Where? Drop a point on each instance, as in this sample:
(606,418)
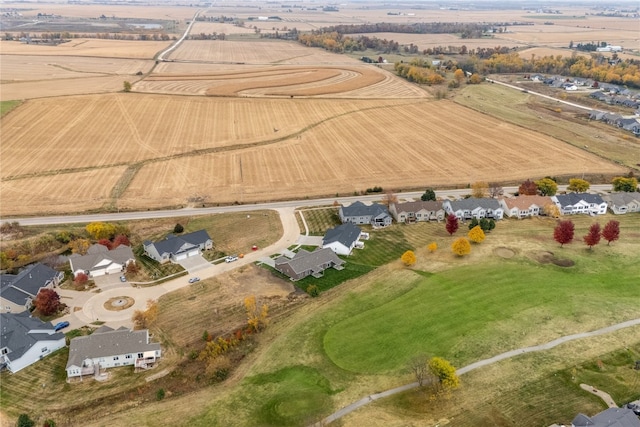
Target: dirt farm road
(506,355)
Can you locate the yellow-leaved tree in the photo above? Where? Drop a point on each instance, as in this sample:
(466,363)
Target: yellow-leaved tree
(552,210)
(444,373)
(101,230)
(433,246)
(476,234)
(408,258)
(257,319)
(144,319)
(461,247)
(479,189)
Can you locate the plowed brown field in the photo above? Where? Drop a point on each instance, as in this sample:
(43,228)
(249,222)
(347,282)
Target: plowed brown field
(227,150)
(132,49)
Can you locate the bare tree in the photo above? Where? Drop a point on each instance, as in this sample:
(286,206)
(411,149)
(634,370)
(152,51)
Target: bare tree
(495,190)
(418,366)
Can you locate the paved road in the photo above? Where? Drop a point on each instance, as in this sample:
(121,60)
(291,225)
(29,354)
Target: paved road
(174,213)
(507,355)
(179,41)
(573,104)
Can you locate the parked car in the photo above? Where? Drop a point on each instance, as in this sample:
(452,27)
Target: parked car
(123,279)
(194,280)
(60,325)
(231,258)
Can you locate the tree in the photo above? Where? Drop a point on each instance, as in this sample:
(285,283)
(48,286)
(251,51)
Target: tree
(444,372)
(126,86)
(429,194)
(487,224)
(473,223)
(81,279)
(621,183)
(408,258)
(495,190)
(547,186)
(25,421)
(452,224)
(552,210)
(593,236)
(475,79)
(418,366)
(461,247)
(145,319)
(101,230)
(479,189)
(458,76)
(105,242)
(178,228)
(578,185)
(389,199)
(563,233)
(49,423)
(47,301)
(611,231)
(256,319)
(120,239)
(433,246)
(79,246)
(313,291)
(476,234)
(528,188)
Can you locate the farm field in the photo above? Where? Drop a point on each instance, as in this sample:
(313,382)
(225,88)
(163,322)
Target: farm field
(95,10)
(95,48)
(265,149)
(54,89)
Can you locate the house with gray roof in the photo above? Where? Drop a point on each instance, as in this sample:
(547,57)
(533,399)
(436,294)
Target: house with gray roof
(410,212)
(358,213)
(478,208)
(622,202)
(17,291)
(343,238)
(98,262)
(24,340)
(176,248)
(611,417)
(306,263)
(580,203)
(108,348)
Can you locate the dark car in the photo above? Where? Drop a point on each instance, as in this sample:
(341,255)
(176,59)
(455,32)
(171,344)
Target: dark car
(60,326)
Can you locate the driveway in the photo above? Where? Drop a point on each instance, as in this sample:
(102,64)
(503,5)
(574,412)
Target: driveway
(194,263)
(109,281)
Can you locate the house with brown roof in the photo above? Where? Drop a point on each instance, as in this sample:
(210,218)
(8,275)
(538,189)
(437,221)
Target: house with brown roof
(410,212)
(525,206)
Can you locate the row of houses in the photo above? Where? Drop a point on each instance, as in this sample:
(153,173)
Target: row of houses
(628,123)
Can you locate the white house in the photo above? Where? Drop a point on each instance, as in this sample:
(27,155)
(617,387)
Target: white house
(525,206)
(17,291)
(621,203)
(580,203)
(472,207)
(24,340)
(99,261)
(177,248)
(109,348)
(342,239)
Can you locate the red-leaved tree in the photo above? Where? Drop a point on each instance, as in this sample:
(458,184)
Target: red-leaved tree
(105,242)
(47,301)
(81,279)
(120,239)
(528,188)
(563,233)
(611,231)
(452,224)
(593,236)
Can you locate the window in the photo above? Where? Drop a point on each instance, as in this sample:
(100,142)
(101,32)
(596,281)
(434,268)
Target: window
(44,349)
(140,355)
(115,357)
(128,356)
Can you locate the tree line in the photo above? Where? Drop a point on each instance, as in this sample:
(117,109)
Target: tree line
(467,30)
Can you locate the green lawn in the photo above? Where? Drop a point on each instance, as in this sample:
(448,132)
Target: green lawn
(6,106)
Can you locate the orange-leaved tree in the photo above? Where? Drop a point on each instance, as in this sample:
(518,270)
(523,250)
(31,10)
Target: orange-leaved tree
(476,234)
(461,247)
(408,258)
(433,246)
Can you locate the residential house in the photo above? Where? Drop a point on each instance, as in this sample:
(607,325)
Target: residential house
(580,203)
(473,207)
(611,417)
(24,340)
(630,124)
(343,238)
(99,261)
(17,291)
(176,248)
(109,348)
(306,263)
(621,203)
(525,206)
(410,212)
(358,213)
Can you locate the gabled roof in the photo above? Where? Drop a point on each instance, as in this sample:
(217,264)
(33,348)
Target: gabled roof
(176,244)
(305,260)
(360,209)
(347,234)
(17,288)
(19,332)
(571,199)
(429,205)
(622,198)
(611,417)
(105,343)
(119,255)
(524,202)
(471,203)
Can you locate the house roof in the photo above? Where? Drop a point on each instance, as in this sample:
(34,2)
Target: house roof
(471,203)
(611,417)
(305,260)
(524,202)
(571,199)
(119,255)
(346,233)
(360,209)
(419,205)
(622,198)
(105,343)
(176,244)
(19,332)
(27,283)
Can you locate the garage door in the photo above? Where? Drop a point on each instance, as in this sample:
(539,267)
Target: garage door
(97,273)
(114,269)
(193,252)
(181,257)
